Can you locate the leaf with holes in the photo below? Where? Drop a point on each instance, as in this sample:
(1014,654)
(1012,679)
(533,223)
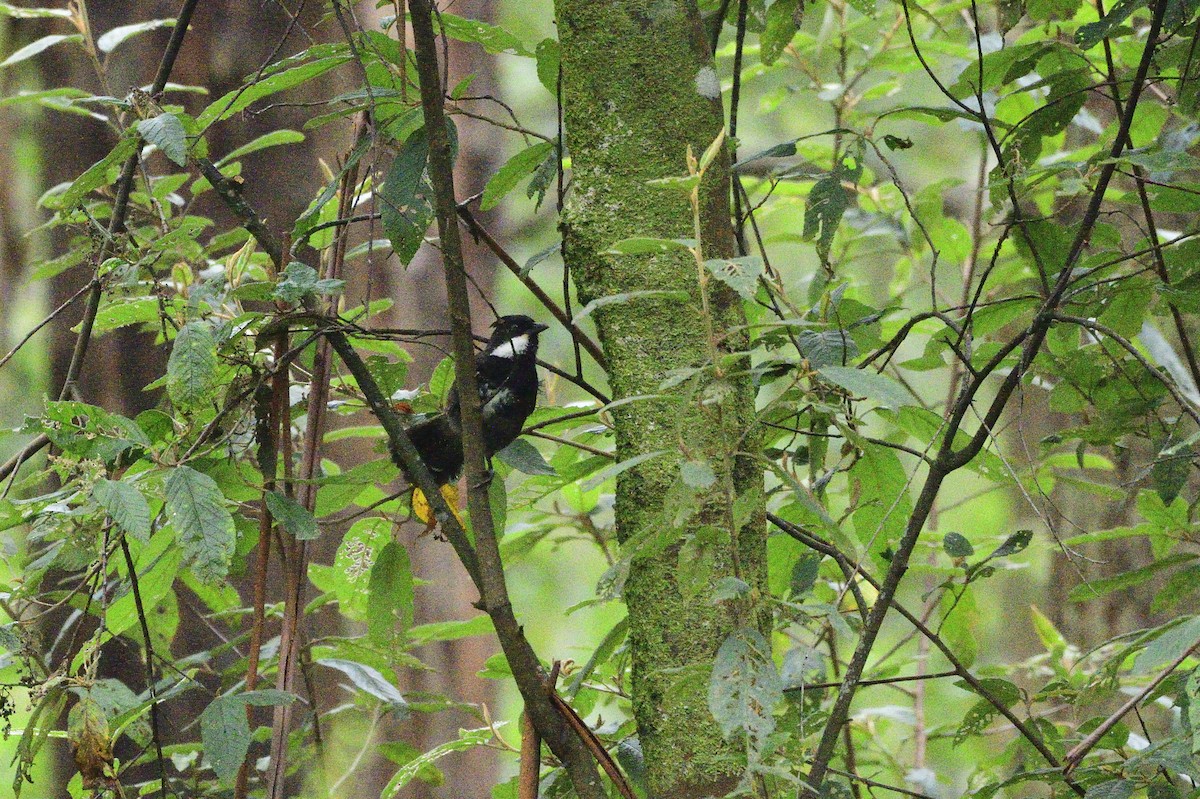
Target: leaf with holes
(407,197)
(740,274)
(745,687)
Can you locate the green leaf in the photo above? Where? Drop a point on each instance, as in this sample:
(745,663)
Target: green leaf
(614,299)
(524,457)
(272,139)
(548,56)
(299,280)
(370,681)
(391,594)
(126,505)
(225,731)
(740,274)
(451,630)
(827,203)
(35,47)
(294,517)
(1098,588)
(1089,35)
(1013,544)
(467,739)
(617,468)
(406,196)
(863,383)
(241,98)
(192,367)
(520,166)
(166,132)
(1169,647)
(957,546)
(745,687)
(1112,789)
(641,245)
(492,38)
(203,525)
(1051,638)
(783,19)
(9,10)
(95,176)
(110,40)
(312,215)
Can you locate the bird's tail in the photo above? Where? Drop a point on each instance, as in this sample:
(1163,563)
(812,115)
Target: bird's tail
(439,443)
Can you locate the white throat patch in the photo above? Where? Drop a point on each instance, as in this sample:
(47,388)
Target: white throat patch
(511,349)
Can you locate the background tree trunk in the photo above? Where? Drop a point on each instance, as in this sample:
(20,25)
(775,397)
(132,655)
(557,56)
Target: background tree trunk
(639,88)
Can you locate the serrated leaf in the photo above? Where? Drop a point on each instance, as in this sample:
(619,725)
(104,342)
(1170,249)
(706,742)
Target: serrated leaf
(166,132)
(1112,789)
(109,40)
(294,517)
(524,457)
(225,731)
(740,274)
(863,383)
(390,609)
(192,367)
(203,525)
(1089,35)
(745,688)
(370,681)
(956,545)
(126,505)
(520,166)
(35,47)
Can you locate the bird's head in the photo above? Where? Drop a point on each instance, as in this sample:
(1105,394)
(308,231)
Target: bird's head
(514,335)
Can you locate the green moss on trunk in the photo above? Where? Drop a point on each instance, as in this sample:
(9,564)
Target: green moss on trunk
(639,88)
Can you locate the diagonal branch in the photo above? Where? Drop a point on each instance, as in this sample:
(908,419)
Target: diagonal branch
(527,671)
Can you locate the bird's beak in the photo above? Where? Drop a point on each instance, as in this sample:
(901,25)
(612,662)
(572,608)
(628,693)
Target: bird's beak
(539,327)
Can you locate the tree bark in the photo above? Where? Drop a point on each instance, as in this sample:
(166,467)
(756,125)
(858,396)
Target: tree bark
(639,88)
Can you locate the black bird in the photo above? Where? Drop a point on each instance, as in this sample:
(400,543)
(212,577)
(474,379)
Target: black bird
(508,388)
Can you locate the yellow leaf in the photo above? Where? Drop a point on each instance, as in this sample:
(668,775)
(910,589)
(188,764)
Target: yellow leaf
(423,511)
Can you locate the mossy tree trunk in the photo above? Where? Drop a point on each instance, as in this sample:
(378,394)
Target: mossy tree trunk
(639,88)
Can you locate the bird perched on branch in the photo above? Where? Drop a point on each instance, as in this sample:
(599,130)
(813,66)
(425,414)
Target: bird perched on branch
(508,387)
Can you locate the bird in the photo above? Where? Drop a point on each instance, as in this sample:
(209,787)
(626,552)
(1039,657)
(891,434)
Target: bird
(506,371)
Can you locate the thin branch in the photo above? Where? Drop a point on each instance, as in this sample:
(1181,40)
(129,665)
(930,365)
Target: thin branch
(1080,751)
(480,233)
(531,680)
